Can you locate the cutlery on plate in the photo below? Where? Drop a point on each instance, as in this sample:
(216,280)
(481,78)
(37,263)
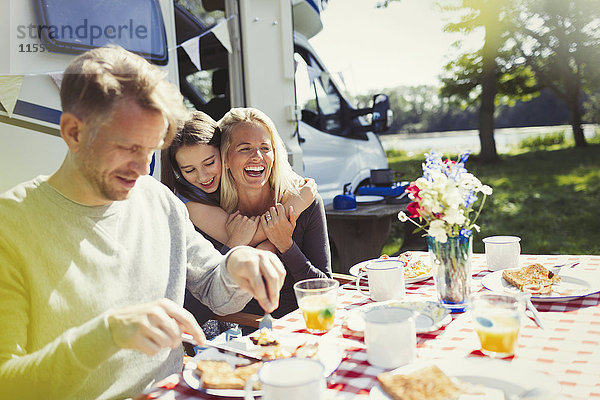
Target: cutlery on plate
(536,315)
(186,337)
(557,268)
(534,393)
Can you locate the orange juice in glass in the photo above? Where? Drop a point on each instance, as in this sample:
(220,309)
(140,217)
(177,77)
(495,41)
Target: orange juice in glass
(497,319)
(317,299)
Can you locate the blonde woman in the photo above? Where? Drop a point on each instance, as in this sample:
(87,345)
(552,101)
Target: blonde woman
(256,178)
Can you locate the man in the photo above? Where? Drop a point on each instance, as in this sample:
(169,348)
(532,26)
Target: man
(95,258)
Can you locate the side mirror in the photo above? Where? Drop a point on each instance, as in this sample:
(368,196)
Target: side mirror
(382,114)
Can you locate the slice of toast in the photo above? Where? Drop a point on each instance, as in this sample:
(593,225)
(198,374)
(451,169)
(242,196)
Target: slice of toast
(532,278)
(246,371)
(218,375)
(428,383)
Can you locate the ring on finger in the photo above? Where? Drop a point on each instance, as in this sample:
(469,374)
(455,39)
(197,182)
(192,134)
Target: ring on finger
(268,217)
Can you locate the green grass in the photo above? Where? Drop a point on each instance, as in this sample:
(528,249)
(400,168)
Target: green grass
(550,198)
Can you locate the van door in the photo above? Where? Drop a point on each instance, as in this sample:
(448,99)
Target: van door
(335,144)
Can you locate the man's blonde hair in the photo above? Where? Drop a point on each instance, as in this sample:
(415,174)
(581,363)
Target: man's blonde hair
(95,82)
(282,176)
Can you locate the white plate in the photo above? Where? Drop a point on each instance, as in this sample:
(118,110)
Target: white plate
(367,199)
(573,285)
(494,377)
(355,269)
(329,354)
(431,316)
(193,380)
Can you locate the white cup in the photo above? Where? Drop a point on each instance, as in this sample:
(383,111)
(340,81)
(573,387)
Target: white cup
(386,280)
(502,252)
(390,336)
(289,379)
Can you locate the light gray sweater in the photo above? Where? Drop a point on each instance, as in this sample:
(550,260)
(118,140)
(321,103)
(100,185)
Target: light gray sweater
(64,265)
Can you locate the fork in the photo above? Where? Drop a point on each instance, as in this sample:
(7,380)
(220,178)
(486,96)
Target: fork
(562,265)
(557,268)
(266,322)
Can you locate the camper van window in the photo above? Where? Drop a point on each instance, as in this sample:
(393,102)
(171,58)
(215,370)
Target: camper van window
(319,101)
(305,93)
(77,26)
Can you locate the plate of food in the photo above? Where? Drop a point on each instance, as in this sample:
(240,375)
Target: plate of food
(544,285)
(415,270)
(431,316)
(462,379)
(218,374)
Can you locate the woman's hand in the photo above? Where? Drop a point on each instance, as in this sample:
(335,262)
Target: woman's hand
(278,227)
(240,229)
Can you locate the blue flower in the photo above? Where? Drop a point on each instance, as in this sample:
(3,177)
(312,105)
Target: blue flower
(465,232)
(465,156)
(471,198)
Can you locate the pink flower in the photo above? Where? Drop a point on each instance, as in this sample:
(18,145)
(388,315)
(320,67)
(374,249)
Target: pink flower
(413,209)
(414,190)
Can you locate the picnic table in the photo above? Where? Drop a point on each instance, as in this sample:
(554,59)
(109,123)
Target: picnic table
(568,349)
(360,234)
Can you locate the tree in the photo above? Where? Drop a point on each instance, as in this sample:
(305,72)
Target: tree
(474,77)
(560,41)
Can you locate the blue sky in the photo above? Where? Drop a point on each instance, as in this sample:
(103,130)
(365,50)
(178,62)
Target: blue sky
(376,48)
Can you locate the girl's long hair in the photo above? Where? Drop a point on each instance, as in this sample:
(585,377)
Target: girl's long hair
(200,128)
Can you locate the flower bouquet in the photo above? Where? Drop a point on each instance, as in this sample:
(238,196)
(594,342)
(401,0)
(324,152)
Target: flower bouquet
(444,206)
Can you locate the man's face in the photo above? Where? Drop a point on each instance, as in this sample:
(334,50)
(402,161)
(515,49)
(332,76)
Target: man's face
(121,151)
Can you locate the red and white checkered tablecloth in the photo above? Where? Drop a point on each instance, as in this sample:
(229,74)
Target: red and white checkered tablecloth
(568,349)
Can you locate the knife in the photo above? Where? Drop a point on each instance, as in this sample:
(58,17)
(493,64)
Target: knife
(186,337)
(536,315)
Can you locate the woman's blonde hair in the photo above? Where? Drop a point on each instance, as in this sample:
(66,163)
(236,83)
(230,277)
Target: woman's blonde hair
(95,82)
(282,176)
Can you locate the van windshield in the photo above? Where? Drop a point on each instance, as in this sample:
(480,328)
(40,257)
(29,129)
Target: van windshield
(66,26)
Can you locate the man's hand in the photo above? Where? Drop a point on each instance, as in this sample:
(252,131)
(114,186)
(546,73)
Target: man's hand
(150,327)
(259,272)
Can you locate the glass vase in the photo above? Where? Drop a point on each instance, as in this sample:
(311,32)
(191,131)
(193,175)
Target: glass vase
(451,262)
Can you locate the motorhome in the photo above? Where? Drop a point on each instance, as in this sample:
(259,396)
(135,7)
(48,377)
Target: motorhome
(221,54)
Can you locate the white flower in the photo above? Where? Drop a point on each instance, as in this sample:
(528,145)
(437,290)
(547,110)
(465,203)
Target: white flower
(402,216)
(437,231)
(451,196)
(447,198)
(485,189)
(454,216)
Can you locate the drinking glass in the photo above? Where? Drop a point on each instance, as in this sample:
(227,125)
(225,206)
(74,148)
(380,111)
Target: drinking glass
(497,319)
(317,299)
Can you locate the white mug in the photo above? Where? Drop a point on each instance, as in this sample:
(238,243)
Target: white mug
(390,336)
(502,252)
(289,379)
(386,280)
